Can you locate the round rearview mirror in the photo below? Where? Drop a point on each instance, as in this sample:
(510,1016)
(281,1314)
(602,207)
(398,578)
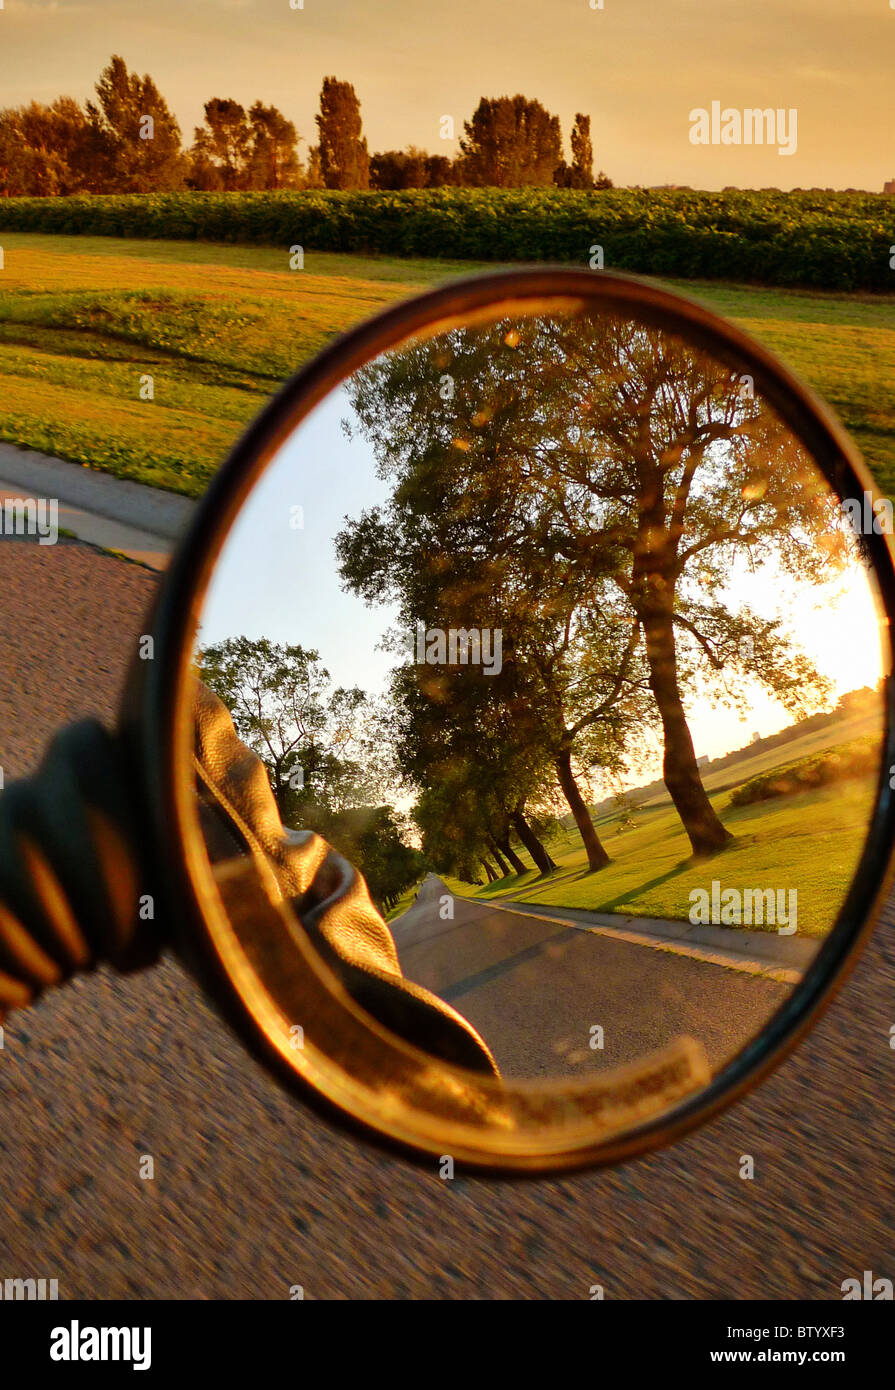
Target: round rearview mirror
(517,736)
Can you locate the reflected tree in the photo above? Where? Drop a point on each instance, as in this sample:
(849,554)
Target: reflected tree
(587,475)
(309,736)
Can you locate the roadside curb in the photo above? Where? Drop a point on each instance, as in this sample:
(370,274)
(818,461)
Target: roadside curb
(783,958)
(146,509)
(141,522)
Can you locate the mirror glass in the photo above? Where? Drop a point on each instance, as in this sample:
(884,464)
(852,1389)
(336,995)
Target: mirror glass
(552,630)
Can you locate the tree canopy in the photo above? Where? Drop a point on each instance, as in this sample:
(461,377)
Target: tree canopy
(238,149)
(128,141)
(136,139)
(589,483)
(510,142)
(344,159)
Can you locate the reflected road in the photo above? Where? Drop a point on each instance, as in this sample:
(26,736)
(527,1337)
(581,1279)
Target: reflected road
(534,989)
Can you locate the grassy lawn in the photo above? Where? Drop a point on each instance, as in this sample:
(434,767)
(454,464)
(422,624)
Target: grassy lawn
(82,319)
(810,842)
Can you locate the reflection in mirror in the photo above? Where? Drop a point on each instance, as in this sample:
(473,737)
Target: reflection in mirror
(550,628)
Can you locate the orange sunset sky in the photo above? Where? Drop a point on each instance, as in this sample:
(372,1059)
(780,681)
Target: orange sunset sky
(638,67)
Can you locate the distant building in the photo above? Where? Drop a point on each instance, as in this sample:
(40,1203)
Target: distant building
(756,736)
(889,187)
(702,762)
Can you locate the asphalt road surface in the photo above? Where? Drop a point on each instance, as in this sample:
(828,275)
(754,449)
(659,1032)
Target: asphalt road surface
(534,989)
(253,1194)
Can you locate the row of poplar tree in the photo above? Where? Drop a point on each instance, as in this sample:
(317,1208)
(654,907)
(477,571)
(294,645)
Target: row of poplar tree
(128,141)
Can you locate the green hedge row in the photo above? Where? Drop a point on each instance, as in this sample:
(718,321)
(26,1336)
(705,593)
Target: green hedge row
(854,759)
(816,238)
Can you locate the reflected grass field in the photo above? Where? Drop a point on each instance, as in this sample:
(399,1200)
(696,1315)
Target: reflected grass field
(810,842)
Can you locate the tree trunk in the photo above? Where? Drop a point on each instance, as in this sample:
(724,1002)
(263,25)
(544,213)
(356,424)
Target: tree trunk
(492,876)
(597,858)
(531,842)
(502,865)
(679,770)
(509,853)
